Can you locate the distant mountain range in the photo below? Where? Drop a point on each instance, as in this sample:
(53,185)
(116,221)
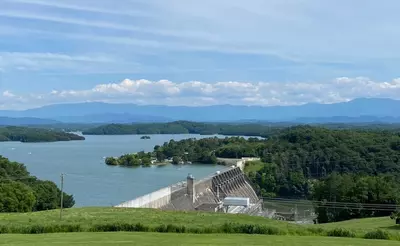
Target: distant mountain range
(122,118)
(8,121)
(358,110)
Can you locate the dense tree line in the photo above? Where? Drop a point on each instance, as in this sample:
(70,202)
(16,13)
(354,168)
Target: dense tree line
(204,150)
(262,129)
(182,127)
(25,134)
(207,150)
(355,196)
(334,166)
(21,192)
(131,160)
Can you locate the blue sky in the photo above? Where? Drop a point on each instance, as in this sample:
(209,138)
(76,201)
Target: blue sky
(188,52)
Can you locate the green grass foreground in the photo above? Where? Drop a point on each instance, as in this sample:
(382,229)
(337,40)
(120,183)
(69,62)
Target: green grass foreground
(125,238)
(152,217)
(364,225)
(148,220)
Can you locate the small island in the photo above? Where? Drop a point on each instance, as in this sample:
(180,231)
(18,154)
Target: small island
(132,160)
(188,151)
(145,137)
(35,135)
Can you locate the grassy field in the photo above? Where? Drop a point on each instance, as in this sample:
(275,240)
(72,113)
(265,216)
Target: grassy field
(362,225)
(95,220)
(124,238)
(253,166)
(90,216)
(95,215)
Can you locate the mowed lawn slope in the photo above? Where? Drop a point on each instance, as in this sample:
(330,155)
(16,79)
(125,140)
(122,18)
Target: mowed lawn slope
(92,221)
(96,215)
(363,225)
(135,238)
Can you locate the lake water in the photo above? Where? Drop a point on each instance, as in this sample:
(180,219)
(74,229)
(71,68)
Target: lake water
(87,177)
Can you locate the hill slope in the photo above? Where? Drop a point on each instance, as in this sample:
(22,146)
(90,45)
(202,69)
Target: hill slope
(150,220)
(25,121)
(25,134)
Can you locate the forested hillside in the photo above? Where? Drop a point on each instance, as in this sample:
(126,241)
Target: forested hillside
(262,129)
(334,166)
(21,192)
(182,127)
(357,166)
(25,134)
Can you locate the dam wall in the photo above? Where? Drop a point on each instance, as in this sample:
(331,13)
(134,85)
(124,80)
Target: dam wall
(206,194)
(154,199)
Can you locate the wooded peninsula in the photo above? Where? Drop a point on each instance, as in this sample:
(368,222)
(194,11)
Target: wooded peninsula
(352,165)
(26,134)
(22,192)
(229,129)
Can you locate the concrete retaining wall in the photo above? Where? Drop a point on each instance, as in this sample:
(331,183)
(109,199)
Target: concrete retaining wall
(155,199)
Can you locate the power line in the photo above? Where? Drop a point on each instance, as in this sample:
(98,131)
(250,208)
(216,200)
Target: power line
(319,201)
(341,205)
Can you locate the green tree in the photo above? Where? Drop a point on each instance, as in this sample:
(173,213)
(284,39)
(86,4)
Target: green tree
(48,196)
(16,197)
(176,160)
(356,190)
(146,161)
(111,161)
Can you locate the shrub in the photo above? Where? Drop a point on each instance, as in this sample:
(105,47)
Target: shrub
(340,232)
(378,234)
(209,230)
(316,230)
(267,230)
(5,229)
(161,228)
(195,230)
(176,229)
(171,228)
(228,228)
(251,229)
(141,228)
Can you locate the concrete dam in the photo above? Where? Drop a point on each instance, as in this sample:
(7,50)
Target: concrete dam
(227,191)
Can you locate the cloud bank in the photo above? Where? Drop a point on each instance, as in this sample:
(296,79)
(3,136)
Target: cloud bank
(197,93)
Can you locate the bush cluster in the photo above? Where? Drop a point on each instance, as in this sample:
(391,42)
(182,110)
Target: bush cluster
(378,234)
(228,228)
(340,232)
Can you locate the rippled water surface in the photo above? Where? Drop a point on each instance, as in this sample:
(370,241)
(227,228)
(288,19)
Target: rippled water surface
(87,177)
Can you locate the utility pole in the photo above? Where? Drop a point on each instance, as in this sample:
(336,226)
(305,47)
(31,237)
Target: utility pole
(62,195)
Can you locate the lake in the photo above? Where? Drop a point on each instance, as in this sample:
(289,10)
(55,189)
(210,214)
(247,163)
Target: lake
(87,177)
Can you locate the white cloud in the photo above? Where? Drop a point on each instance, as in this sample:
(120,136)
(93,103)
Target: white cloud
(89,6)
(89,22)
(34,61)
(302,29)
(59,41)
(8,94)
(196,93)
